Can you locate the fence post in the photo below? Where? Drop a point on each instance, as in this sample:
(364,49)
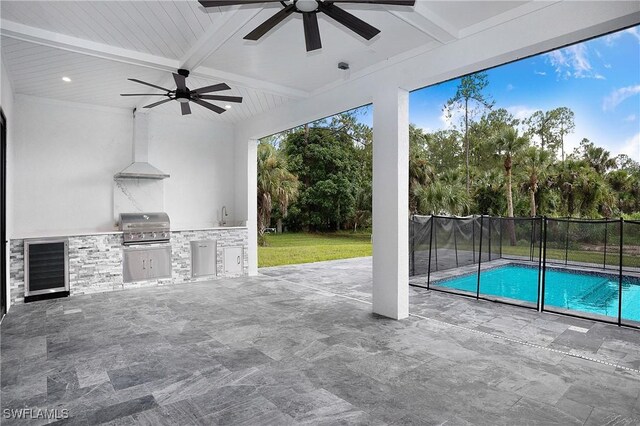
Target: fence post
(544,263)
(430,247)
(606,225)
(620,273)
(490,232)
(412,236)
(473,238)
(454,224)
(566,244)
(435,236)
(538,305)
(500,218)
(479,261)
(533,237)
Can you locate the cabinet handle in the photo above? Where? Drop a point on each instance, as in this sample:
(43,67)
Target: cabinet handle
(143,265)
(238,260)
(150,264)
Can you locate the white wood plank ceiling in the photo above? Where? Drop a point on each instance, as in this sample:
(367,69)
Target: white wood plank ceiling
(99,44)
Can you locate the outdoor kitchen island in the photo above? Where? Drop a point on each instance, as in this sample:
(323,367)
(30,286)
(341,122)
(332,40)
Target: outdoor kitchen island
(96,259)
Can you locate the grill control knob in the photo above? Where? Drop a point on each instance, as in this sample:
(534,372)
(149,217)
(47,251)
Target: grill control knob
(153,235)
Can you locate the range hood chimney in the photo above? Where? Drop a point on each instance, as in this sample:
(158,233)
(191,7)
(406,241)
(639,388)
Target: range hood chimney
(140,168)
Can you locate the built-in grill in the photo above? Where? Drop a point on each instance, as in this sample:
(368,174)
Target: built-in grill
(145,228)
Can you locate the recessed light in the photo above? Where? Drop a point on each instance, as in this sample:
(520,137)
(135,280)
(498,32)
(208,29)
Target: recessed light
(66,79)
(227,106)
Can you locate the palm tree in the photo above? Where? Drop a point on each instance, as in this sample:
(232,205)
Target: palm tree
(536,163)
(443,195)
(507,143)
(275,182)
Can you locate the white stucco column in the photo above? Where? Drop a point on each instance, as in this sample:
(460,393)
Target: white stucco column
(390,202)
(246,193)
(252,204)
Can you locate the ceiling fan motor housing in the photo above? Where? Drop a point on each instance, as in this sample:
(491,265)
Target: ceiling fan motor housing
(306,5)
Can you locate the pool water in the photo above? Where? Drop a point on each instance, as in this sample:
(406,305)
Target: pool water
(595,294)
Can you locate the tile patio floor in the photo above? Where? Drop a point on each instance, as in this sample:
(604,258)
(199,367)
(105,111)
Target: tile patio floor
(298,345)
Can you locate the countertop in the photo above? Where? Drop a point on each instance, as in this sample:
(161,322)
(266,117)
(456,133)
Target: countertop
(63,234)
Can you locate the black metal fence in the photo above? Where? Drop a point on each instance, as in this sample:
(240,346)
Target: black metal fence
(584,268)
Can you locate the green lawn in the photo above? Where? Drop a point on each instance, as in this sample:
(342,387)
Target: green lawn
(294,248)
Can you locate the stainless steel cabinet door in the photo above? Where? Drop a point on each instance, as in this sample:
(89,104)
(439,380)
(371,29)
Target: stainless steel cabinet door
(203,258)
(160,263)
(135,265)
(233,261)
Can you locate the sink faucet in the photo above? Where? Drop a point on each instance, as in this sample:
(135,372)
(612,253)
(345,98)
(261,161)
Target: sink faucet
(224,214)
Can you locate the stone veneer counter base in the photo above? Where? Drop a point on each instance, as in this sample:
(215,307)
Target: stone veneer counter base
(95,261)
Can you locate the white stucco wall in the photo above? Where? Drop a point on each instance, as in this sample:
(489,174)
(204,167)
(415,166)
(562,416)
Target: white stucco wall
(6,101)
(66,155)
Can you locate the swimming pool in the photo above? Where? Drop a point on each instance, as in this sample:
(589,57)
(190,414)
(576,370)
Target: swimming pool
(584,292)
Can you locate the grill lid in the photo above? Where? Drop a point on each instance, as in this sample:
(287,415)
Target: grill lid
(145,227)
(140,221)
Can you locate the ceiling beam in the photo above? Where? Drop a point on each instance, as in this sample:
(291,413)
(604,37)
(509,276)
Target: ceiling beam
(516,12)
(100,50)
(74,44)
(425,20)
(213,38)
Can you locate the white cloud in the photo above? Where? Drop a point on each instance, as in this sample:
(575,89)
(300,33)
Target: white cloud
(619,95)
(451,117)
(510,87)
(573,61)
(631,147)
(630,118)
(633,31)
(521,111)
(540,73)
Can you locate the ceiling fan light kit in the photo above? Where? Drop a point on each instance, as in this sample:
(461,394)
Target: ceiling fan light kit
(309,10)
(184,95)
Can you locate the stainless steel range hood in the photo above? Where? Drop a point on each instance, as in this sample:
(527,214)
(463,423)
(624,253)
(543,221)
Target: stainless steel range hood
(140,168)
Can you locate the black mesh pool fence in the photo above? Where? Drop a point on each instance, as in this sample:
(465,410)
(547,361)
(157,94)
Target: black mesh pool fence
(584,268)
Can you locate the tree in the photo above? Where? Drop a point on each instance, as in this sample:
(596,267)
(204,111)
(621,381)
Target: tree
(443,150)
(597,157)
(536,162)
(551,127)
(507,143)
(420,172)
(326,163)
(564,118)
(446,195)
(275,182)
(469,92)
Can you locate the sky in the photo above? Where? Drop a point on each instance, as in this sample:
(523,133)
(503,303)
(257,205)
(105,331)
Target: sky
(598,79)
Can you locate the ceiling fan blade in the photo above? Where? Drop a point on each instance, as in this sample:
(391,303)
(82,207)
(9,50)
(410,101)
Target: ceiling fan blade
(186,109)
(222,98)
(212,107)
(148,84)
(213,88)
(143,94)
(311,31)
(390,2)
(157,103)
(355,24)
(180,81)
(267,25)
(215,3)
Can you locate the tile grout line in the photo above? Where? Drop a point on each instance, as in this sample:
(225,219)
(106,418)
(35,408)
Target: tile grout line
(495,336)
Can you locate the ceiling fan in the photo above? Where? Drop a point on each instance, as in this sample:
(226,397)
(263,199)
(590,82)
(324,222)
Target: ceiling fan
(183,95)
(309,10)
